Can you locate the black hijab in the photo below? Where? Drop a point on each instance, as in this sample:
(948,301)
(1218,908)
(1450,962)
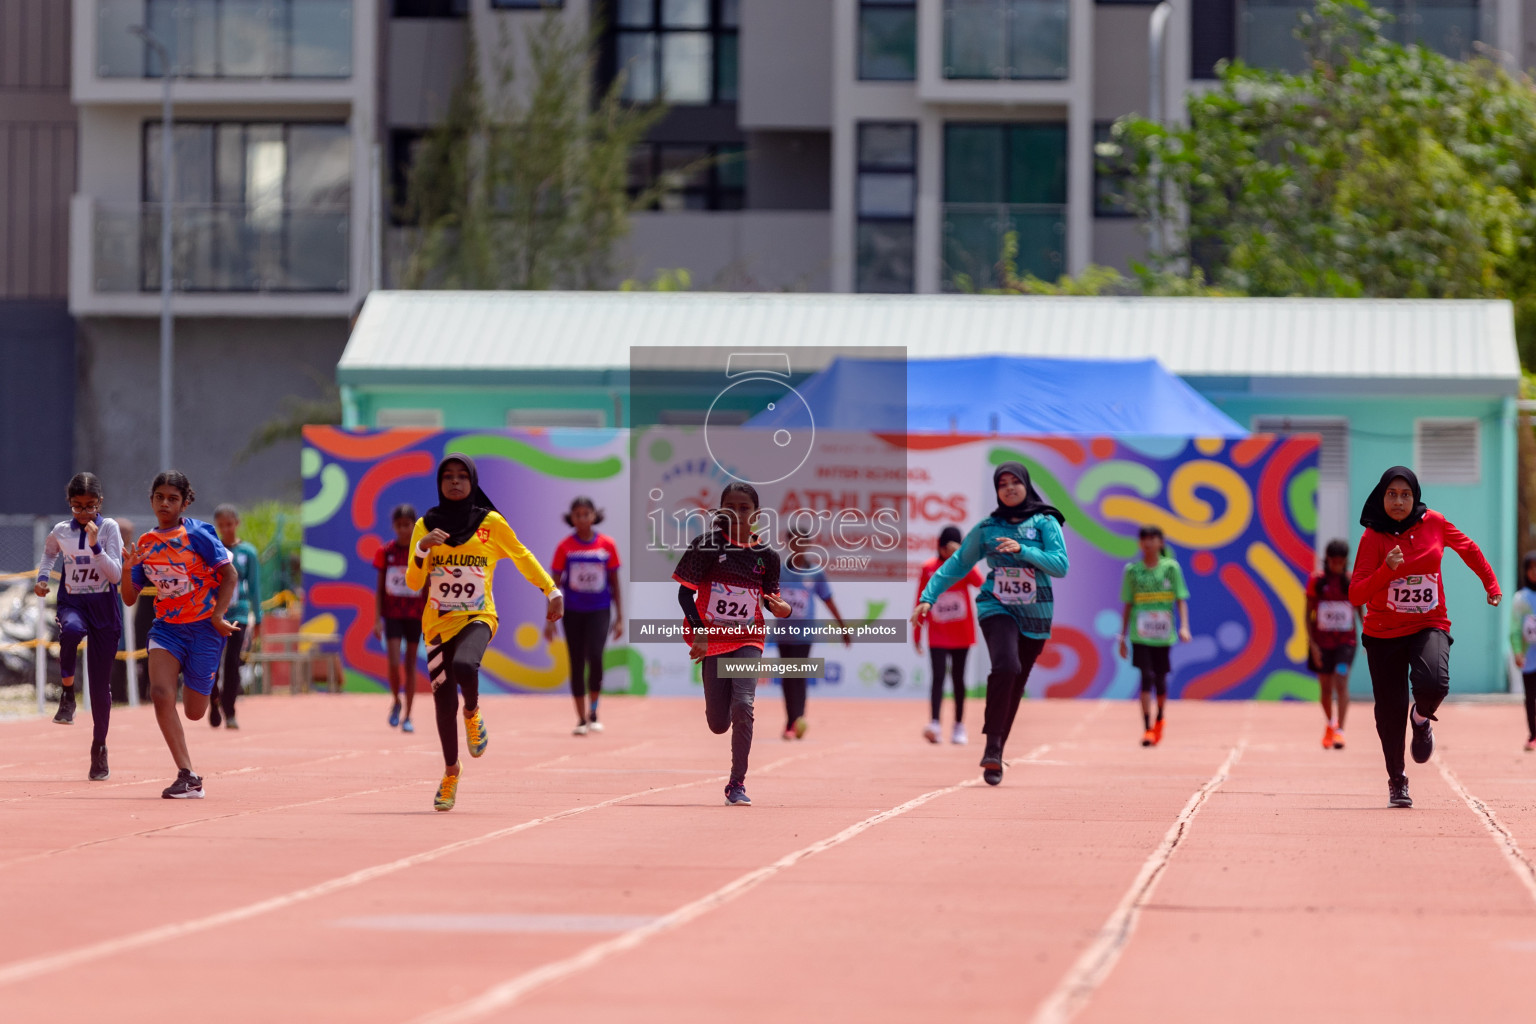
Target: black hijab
(1032,505)
(459,519)
(1374,515)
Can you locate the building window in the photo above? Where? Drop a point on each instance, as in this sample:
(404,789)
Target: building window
(229,39)
(888,40)
(404,145)
(430,8)
(1266,29)
(1111,172)
(693,176)
(1005,39)
(682,52)
(258,206)
(887,207)
(1448,451)
(1002,180)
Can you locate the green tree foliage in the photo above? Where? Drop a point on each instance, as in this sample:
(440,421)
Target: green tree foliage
(526,188)
(1381,170)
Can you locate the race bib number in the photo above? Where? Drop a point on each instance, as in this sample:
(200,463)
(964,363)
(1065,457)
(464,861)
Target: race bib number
(394,582)
(169,580)
(82,577)
(1156,625)
(950,607)
(1528,629)
(1013,584)
(1414,595)
(731,604)
(799,600)
(588,577)
(457,588)
(1335,617)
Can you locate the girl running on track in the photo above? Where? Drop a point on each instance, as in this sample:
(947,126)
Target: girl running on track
(1331,636)
(587,565)
(1407,630)
(87,606)
(194,585)
(1522,640)
(399,610)
(244,612)
(725,578)
(951,635)
(800,585)
(1153,584)
(1022,543)
(454,551)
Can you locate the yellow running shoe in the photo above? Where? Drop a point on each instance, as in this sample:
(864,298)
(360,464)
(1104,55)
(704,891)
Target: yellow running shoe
(447,790)
(474,732)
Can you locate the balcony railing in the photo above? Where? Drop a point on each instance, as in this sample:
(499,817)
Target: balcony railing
(975,234)
(227,38)
(1266,35)
(1005,39)
(269,248)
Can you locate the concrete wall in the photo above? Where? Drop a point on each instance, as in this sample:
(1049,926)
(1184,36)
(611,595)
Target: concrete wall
(786,63)
(747,251)
(232,376)
(37,400)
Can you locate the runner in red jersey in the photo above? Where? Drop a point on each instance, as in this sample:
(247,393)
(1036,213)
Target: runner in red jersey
(399,614)
(1407,631)
(951,635)
(1331,638)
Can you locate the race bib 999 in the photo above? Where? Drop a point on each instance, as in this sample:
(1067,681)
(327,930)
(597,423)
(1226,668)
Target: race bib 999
(457,588)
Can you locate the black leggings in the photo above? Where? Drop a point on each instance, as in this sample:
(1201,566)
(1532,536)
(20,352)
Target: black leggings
(100,654)
(794,689)
(955,656)
(1013,656)
(226,685)
(455,666)
(728,705)
(586,633)
(1530,703)
(1421,661)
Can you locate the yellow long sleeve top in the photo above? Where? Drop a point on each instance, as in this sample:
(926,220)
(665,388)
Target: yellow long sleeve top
(459,578)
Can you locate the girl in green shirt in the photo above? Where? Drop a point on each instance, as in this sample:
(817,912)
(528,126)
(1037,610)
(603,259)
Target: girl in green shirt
(1152,586)
(244,612)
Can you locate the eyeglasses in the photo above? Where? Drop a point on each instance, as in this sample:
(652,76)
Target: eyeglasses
(93,507)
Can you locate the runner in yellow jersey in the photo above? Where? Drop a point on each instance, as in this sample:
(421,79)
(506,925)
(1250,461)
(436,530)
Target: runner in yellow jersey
(454,551)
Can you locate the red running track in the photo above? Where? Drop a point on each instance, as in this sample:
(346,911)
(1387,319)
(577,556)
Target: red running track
(1237,871)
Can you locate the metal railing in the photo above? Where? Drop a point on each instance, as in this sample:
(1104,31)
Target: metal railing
(223,248)
(1266,29)
(259,39)
(975,235)
(1006,39)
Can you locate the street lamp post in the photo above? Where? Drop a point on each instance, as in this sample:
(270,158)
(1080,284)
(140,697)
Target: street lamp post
(1157,36)
(167,192)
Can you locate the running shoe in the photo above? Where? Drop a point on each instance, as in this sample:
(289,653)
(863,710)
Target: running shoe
(580,730)
(992,776)
(66,713)
(993,758)
(1157,731)
(1149,738)
(594,726)
(934,731)
(394,715)
(215,717)
(1423,740)
(1397,793)
(959,737)
(1338,739)
(447,790)
(406,726)
(99,770)
(799,727)
(736,794)
(1328,738)
(474,732)
(789,734)
(230,723)
(1530,746)
(188,786)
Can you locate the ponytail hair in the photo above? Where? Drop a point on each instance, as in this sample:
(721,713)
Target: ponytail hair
(177,479)
(83,485)
(583,502)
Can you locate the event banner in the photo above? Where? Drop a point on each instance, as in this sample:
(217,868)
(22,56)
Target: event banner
(1240,516)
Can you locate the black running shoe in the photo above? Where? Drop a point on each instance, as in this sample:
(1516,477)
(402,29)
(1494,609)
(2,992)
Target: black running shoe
(215,718)
(99,770)
(1397,793)
(66,712)
(992,776)
(230,723)
(736,794)
(993,758)
(186,787)
(1423,740)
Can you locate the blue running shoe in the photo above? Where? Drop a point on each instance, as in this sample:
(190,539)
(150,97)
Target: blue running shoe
(394,715)
(406,726)
(736,794)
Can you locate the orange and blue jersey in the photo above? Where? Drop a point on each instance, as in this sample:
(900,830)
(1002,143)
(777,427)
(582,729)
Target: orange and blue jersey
(183,564)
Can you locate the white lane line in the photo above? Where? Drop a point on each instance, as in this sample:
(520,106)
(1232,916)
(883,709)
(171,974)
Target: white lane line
(21,970)
(510,991)
(1099,959)
(1519,862)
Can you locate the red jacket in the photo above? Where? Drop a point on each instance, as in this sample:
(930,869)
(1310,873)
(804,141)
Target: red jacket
(1411,598)
(954,626)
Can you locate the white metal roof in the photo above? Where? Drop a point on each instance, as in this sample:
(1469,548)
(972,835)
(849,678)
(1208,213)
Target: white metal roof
(1461,340)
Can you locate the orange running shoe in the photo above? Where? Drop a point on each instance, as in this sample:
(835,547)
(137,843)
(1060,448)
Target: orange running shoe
(1338,739)
(1328,735)
(1157,731)
(1149,738)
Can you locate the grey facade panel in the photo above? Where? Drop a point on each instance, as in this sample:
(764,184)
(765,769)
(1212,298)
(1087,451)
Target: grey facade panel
(422,67)
(37,399)
(786,64)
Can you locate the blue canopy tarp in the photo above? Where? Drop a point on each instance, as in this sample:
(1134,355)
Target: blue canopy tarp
(1003,395)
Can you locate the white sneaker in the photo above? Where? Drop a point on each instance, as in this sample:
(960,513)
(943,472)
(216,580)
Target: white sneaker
(933,732)
(595,726)
(959,735)
(580,730)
